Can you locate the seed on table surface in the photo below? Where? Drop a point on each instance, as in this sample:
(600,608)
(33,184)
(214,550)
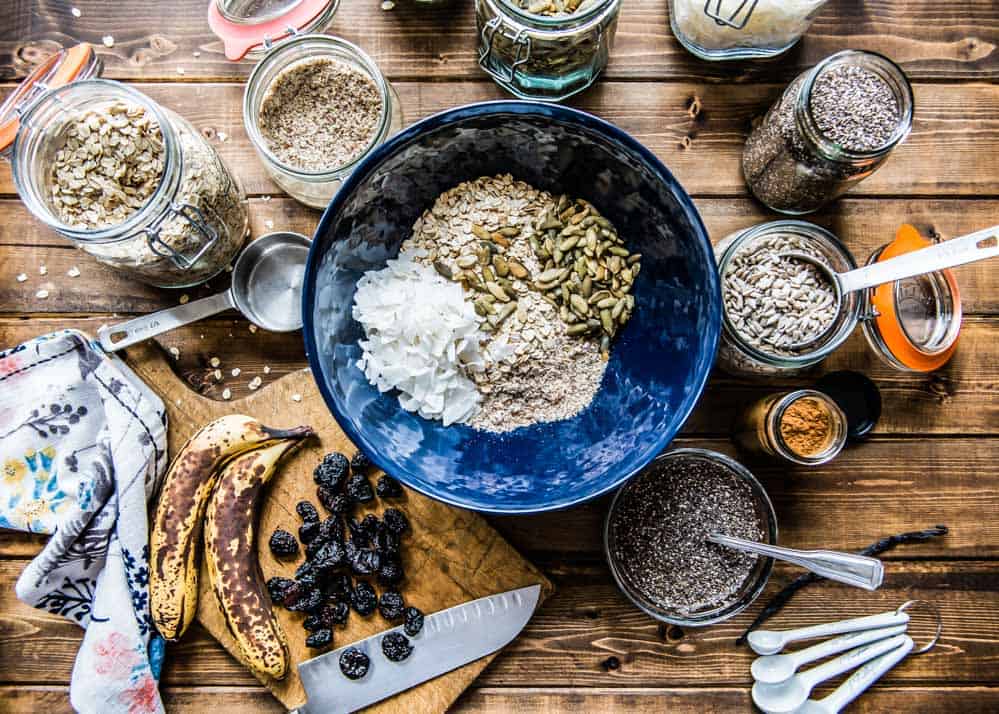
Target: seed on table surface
(480,232)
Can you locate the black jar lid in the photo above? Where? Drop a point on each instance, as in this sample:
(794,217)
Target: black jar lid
(859,398)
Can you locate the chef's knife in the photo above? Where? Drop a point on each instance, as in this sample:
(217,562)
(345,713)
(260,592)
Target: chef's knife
(449,639)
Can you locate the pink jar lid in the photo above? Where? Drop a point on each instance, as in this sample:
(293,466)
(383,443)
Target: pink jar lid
(245,24)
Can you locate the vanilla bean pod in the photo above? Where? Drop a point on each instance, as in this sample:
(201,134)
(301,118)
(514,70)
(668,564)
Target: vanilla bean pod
(778,601)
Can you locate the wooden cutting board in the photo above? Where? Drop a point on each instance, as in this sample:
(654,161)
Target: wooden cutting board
(451,556)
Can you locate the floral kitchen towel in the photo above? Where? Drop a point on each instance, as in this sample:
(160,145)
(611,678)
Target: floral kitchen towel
(83,447)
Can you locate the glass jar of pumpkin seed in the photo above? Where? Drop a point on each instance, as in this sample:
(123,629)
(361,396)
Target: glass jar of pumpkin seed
(545,49)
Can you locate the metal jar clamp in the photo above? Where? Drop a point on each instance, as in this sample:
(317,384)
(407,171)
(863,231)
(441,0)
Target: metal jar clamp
(521,40)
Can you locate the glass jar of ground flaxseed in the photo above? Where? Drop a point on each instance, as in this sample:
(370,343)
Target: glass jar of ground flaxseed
(130,182)
(314,107)
(771,303)
(541,49)
(833,126)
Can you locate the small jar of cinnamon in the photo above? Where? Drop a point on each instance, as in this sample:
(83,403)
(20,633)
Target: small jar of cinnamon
(804,427)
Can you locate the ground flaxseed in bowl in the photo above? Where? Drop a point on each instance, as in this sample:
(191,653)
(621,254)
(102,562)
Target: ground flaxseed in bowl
(656,537)
(320,114)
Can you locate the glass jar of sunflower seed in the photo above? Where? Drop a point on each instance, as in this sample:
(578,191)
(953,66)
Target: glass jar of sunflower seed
(130,182)
(545,49)
(780,314)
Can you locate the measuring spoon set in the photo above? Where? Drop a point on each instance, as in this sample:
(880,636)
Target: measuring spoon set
(872,646)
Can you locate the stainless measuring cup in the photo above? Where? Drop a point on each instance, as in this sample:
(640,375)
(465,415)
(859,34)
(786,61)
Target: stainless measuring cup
(266,288)
(948,254)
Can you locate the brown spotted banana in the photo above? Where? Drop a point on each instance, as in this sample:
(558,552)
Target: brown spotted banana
(231,556)
(175,540)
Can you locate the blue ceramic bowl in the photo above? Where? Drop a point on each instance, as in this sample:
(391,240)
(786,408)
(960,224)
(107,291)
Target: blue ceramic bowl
(658,364)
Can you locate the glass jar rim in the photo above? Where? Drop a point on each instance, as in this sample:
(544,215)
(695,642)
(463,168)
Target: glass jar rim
(770,527)
(172,164)
(808,230)
(551,22)
(250,120)
(829,148)
(231,16)
(836,445)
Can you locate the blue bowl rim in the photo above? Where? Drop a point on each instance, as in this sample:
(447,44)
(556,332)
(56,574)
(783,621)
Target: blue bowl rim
(523,107)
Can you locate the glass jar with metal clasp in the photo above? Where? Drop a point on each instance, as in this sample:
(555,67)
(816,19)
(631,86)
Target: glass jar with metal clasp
(912,324)
(129,181)
(741,29)
(248,28)
(535,50)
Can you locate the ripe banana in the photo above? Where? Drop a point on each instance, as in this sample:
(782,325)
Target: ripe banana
(176,532)
(233,569)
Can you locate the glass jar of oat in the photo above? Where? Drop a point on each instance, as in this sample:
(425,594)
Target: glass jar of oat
(128,181)
(314,107)
(833,126)
(545,49)
(773,303)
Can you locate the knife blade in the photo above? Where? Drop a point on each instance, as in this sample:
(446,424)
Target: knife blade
(449,639)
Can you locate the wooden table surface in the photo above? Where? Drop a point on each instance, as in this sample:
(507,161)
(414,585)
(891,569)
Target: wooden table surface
(934,456)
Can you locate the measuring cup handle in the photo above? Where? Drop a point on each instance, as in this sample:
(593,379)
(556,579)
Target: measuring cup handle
(948,254)
(125,334)
(851,659)
(867,675)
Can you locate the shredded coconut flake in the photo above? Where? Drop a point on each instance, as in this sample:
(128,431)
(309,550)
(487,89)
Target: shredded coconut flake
(423,339)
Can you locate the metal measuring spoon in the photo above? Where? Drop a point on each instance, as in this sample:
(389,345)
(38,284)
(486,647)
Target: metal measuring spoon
(774,669)
(266,288)
(786,697)
(860,571)
(858,682)
(948,254)
(767,642)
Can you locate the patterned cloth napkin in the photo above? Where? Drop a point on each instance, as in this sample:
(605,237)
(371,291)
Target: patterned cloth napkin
(82,447)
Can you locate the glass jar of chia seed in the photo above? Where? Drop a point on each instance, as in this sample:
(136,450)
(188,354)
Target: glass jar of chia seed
(760,317)
(536,51)
(314,184)
(130,182)
(833,126)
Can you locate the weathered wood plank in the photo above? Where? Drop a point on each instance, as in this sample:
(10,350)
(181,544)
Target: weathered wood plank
(152,40)
(957,400)
(912,700)
(950,151)
(243,700)
(869,491)
(588,621)
(864,224)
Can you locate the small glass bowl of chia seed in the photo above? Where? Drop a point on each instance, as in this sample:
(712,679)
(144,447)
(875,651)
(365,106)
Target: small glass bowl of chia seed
(655,538)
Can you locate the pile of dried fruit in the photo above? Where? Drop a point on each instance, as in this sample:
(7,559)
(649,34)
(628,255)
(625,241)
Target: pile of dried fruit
(340,548)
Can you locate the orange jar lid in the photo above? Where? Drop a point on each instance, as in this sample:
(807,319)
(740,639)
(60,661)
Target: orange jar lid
(918,319)
(65,66)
